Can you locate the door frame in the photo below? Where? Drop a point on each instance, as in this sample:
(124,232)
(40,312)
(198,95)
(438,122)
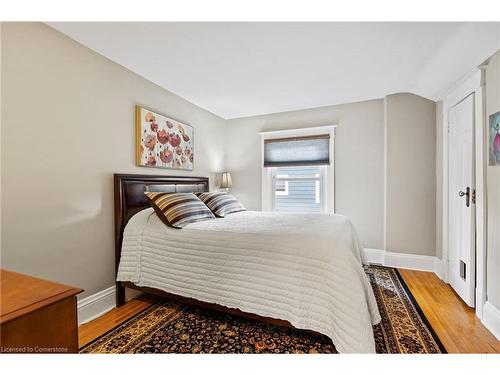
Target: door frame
(472,84)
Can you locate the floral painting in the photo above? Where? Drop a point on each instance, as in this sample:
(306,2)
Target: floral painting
(163,142)
(494,139)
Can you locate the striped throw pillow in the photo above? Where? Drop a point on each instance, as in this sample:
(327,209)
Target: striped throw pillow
(178,209)
(221,203)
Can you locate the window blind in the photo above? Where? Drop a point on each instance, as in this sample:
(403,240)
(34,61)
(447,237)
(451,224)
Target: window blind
(297,151)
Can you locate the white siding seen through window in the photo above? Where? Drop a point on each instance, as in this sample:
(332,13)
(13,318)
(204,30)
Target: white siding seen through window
(298,189)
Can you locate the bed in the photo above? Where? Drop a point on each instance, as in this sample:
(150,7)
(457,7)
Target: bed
(300,270)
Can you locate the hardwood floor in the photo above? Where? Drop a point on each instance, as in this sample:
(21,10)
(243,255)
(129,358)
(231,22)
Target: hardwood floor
(454,322)
(90,331)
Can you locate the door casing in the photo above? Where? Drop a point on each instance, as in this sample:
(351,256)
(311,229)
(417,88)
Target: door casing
(461,216)
(472,84)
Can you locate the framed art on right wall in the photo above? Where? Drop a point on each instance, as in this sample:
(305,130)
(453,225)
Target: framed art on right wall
(494,138)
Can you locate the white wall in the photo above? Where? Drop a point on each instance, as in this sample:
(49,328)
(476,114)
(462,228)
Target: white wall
(410,174)
(493,187)
(67,126)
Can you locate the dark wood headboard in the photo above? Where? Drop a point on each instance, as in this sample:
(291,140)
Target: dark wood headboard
(130,198)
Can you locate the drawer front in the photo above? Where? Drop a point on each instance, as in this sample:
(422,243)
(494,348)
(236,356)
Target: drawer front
(51,329)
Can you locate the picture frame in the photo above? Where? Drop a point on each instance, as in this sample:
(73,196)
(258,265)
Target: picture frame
(162,142)
(494,139)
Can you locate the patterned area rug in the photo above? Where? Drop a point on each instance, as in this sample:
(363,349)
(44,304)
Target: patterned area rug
(169,327)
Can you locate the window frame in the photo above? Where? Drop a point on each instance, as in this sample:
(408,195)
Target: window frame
(328,179)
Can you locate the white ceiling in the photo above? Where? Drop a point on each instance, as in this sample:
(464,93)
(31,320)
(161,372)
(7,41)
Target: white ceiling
(245,69)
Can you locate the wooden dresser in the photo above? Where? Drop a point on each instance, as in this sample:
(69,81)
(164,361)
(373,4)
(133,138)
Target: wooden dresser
(37,316)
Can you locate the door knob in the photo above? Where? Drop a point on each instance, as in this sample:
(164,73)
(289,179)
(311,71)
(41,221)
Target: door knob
(467,196)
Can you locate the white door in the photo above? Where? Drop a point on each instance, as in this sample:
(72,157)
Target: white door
(461,201)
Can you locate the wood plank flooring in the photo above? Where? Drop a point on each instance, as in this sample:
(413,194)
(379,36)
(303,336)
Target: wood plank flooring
(90,331)
(454,322)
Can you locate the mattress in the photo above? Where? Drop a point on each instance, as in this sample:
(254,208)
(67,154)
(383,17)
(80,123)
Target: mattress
(303,268)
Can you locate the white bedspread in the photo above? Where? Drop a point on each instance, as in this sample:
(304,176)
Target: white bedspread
(303,268)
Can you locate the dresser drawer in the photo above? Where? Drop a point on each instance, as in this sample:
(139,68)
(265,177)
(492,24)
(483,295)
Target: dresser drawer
(52,329)
(38,316)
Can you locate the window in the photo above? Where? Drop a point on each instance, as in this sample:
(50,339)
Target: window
(297,170)
(298,189)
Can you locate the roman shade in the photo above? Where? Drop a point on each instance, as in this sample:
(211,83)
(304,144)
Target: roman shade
(297,151)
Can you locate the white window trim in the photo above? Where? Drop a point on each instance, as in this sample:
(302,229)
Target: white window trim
(328,187)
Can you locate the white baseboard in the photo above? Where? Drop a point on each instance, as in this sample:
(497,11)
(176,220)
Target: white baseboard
(439,268)
(96,305)
(410,261)
(491,319)
(374,256)
(406,261)
(480,302)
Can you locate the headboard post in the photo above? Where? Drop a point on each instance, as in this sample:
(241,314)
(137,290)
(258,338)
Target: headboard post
(129,199)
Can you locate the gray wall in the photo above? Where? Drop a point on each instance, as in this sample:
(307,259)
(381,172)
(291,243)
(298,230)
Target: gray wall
(410,174)
(67,126)
(359,166)
(493,186)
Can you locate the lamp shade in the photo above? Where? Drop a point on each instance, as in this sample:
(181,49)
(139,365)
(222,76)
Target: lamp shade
(225,182)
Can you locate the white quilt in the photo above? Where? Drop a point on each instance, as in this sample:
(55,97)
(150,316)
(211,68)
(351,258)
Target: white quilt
(303,268)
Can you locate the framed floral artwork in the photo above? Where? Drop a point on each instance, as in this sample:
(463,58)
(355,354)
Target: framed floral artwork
(494,130)
(162,142)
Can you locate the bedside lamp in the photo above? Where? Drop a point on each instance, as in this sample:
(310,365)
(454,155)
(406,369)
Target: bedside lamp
(225,182)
